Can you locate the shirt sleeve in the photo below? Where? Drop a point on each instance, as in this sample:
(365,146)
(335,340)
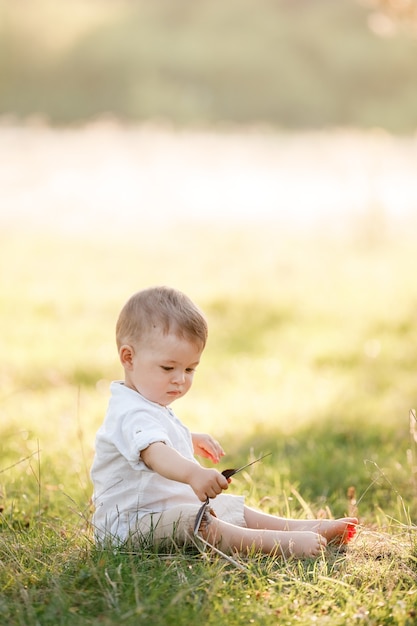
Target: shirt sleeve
(138,430)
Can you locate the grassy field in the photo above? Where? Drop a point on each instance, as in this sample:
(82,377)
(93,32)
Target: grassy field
(311,357)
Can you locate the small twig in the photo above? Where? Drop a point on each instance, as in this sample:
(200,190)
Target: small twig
(387,480)
(39,480)
(243,568)
(411,452)
(413,424)
(21,461)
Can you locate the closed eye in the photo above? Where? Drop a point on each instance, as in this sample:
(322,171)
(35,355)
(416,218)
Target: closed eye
(168,368)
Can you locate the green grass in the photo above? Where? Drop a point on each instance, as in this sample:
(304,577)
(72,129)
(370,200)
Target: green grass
(311,357)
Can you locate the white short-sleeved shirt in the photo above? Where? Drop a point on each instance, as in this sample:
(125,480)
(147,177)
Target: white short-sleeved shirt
(125,489)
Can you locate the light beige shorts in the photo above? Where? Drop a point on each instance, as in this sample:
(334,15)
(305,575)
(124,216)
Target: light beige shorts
(177,524)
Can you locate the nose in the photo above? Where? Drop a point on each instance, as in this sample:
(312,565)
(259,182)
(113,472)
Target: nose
(179,377)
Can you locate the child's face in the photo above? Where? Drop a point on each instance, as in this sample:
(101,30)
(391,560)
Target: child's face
(161,367)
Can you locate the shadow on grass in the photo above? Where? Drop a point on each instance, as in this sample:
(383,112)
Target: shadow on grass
(323,461)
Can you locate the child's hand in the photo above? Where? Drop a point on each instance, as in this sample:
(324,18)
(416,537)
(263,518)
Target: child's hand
(205,445)
(207,483)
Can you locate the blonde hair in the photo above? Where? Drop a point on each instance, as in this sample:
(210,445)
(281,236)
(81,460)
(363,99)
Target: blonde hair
(164,308)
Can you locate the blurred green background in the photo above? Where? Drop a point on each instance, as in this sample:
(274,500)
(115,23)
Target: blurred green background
(291,64)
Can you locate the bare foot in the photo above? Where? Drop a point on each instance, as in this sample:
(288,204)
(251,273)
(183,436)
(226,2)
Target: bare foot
(300,543)
(336,531)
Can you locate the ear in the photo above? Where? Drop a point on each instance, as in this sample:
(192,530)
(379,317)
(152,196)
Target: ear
(126,354)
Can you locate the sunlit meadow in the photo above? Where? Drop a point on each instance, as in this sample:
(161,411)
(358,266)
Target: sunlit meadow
(311,356)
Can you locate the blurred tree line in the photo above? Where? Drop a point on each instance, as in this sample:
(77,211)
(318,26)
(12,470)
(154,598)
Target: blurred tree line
(287,63)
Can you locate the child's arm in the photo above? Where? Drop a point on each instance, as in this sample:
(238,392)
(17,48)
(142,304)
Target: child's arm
(205,445)
(206,483)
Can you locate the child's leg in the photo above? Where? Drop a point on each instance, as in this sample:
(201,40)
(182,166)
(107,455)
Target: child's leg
(337,531)
(270,541)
